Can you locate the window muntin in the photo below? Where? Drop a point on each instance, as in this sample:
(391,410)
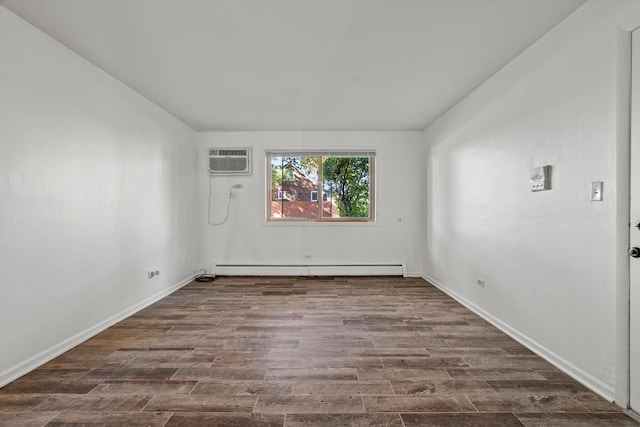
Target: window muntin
(344,181)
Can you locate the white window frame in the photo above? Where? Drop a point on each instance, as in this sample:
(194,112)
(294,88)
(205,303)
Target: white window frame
(371,154)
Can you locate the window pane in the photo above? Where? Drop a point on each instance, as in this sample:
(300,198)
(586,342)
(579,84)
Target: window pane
(342,190)
(293,179)
(346,183)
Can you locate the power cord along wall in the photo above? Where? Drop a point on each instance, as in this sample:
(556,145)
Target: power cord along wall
(226,217)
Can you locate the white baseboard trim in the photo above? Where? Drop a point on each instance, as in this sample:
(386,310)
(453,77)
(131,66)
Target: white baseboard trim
(22,368)
(416,275)
(605,390)
(311,270)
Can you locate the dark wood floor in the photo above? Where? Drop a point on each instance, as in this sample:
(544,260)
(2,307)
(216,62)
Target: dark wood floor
(303,352)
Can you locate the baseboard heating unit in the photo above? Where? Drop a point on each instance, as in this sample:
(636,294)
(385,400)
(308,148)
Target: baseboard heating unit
(310,270)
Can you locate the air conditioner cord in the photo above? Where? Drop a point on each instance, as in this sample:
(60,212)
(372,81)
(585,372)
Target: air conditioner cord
(226,217)
(204,277)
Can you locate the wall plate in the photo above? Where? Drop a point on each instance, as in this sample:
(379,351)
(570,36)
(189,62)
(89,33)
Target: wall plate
(596,191)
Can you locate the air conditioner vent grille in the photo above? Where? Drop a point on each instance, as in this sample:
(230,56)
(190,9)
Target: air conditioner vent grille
(230,161)
(226,152)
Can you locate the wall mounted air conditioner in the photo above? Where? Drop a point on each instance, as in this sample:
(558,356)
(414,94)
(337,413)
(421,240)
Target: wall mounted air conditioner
(230,161)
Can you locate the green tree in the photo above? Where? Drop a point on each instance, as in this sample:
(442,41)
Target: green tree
(347,178)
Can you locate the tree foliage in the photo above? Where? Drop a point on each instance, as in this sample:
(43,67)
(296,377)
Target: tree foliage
(347,178)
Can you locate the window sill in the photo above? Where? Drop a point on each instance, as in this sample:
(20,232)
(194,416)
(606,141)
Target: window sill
(320,223)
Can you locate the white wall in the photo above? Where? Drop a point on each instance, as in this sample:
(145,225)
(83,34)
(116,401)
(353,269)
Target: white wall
(96,187)
(247,239)
(547,258)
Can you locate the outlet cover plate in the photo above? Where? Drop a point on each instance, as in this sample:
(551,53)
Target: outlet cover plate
(596,191)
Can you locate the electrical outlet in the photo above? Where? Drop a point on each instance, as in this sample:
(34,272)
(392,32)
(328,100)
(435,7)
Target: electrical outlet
(481,283)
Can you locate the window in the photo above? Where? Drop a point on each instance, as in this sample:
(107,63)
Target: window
(320,186)
(314,196)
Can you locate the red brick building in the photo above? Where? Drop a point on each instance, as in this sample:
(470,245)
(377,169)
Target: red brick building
(297,197)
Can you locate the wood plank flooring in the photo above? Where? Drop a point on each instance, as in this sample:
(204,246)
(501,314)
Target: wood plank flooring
(292,352)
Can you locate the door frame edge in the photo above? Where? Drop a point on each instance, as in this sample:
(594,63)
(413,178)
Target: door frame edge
(623,194)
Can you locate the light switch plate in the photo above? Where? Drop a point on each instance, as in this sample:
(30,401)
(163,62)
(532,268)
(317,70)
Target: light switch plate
(596,191)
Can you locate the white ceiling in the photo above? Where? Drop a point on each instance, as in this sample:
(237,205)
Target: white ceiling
(298,64)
